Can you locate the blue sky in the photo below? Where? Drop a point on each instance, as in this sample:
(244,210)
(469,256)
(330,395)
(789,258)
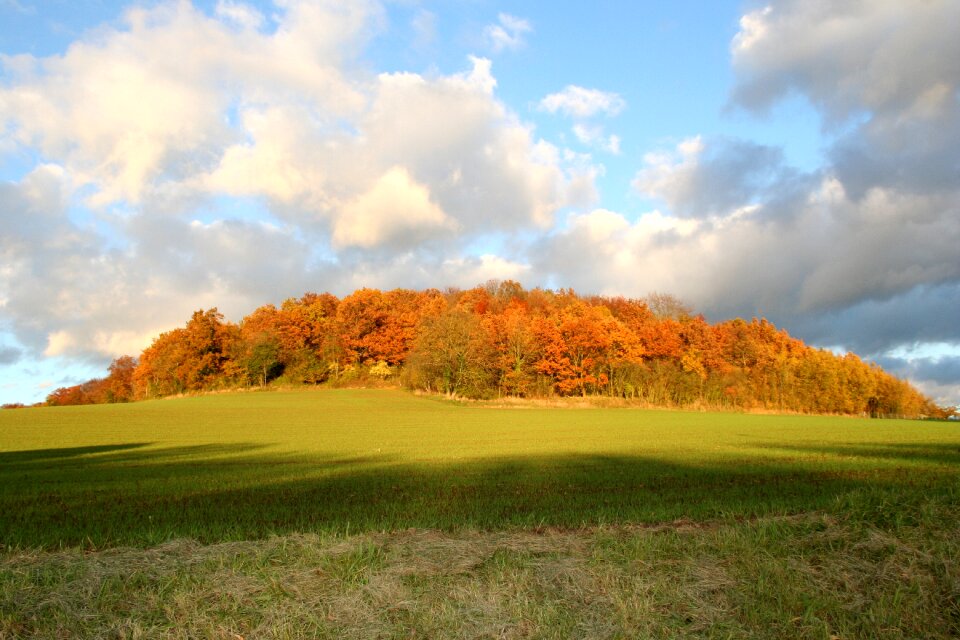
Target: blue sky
(793,160)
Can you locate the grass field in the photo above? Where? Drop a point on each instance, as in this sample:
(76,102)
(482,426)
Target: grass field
(375,513)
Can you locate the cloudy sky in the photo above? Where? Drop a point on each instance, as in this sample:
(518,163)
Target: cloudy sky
(798,160)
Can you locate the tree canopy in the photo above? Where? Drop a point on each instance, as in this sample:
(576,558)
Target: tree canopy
(501,340)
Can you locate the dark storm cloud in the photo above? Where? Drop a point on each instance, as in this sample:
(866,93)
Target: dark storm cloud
(940,370)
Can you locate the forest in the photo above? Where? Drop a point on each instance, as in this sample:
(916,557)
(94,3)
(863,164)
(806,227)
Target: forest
(500,340)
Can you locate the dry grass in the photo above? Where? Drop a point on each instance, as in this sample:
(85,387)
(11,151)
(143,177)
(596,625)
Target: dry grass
(807,576)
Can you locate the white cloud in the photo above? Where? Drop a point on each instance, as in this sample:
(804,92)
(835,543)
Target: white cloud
(632,257)
(58,343)
(582,104)
(468,272)
(394,206)
(594,136)
(122,114)
(482,167)
(269,162)
(579,102)
(241,14)
(668,175)
(508,33)
(753,31)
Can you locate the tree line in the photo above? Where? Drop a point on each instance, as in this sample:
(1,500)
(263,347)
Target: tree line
(500,340)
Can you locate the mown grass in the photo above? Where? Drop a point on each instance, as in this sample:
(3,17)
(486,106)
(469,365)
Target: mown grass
(806,576)
(244,466)
(358,514)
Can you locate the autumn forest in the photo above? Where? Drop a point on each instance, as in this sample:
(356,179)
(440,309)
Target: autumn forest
(500,340)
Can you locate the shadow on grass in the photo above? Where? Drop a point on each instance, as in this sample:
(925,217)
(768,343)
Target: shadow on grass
(42,455)
(936,453)
(131,494)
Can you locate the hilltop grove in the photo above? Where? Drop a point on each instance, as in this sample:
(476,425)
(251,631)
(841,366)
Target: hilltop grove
(501,340)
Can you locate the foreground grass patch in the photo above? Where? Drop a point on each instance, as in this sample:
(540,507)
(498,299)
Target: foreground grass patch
(247,466)
(808,576)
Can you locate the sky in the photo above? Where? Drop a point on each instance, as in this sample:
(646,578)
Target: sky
(797,160)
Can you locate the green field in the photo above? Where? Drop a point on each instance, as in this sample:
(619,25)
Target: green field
(376,513)
(241,466)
